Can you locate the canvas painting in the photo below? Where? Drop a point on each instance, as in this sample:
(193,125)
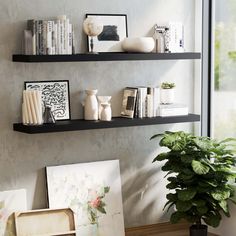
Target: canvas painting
(114,31)
(10,202)
(55,94)
(93,192)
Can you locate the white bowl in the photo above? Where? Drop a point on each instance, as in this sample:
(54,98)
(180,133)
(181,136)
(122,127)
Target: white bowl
(141,44)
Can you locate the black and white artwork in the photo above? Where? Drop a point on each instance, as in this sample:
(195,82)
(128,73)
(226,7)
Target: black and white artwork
(114,31)
(55,94)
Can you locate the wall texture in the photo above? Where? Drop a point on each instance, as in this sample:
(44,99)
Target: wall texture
(23,157)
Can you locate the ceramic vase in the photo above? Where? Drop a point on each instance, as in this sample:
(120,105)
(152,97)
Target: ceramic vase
(106,112)
(167,96)
(102,99)
(91,105)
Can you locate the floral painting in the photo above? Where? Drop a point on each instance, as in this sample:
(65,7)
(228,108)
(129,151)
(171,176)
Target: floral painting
(93,192)
(10,201)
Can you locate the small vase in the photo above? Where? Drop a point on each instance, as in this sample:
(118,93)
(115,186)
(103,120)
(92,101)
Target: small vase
(91,105)
(106,112)
(198,230)
(167,96)
(102,99)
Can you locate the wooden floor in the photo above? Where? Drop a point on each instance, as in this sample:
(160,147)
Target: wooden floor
(162,229)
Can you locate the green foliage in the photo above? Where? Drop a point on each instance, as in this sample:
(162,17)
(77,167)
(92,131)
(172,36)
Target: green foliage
(199,169)
(167,85)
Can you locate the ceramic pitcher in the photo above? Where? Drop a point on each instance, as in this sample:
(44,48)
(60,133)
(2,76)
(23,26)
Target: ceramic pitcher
(91,105)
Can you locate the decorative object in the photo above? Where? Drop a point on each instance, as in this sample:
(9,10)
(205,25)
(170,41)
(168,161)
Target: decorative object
(55,94)
(141,44)
(106,114)
(45,222)
(92,191)
(48,116)
(92,27)
(200,170)
(166,110)
(167,93)
(32,108)
(91,105)
(102,99)
(176,37)
(159,37)
(11,201)
(128,103)
(114,31)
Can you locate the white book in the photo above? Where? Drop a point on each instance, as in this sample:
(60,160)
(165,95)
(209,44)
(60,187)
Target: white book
(66,39)
(49,37)
(156,101)
(54,38)
(70,47)
(28,42)
(176,43)
(173,110)
(149,102)
(62,20)
(58,43)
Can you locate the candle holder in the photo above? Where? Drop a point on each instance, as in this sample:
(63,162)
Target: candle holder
(92,27)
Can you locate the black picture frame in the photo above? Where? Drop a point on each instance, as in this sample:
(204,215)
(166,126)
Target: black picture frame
(111,47)
(60,112)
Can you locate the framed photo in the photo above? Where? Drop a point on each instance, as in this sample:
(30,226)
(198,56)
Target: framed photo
(128,102)
(93,192)
(114,31)
(55,94)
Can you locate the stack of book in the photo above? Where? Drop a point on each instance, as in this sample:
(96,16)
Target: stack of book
(141,102)
(49,37)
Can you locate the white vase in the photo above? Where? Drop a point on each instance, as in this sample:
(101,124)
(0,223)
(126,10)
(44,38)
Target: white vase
(91,105)
(102,99)
(167,96)
(106,112)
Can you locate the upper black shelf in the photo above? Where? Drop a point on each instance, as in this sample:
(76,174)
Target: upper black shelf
(107,57)
(117,122)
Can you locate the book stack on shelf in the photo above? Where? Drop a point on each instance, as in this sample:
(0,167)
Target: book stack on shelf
(49,37)
(141,102)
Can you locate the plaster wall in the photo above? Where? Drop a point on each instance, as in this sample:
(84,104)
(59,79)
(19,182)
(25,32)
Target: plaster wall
(23,157)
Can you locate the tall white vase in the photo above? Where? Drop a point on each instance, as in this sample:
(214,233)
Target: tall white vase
(91,105)
(102,99)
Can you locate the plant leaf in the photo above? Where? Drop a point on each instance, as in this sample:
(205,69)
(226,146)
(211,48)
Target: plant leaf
(161,157)
(183,206)
(220,195)
(225,208)
(200,168)
(176,217)
(186,195)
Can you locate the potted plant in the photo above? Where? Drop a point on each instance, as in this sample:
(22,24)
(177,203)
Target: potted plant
(199,170)
(167,93)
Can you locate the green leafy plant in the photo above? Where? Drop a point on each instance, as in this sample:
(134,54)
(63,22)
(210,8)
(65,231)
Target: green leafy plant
(199,170)
(166,85)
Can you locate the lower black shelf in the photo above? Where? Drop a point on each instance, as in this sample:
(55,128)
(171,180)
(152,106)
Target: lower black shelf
(73,125)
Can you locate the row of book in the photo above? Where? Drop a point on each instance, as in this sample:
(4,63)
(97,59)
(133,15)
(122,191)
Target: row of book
(141,102)
(49,37)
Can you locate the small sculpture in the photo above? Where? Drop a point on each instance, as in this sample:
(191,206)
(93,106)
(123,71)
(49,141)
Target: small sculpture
(48,117)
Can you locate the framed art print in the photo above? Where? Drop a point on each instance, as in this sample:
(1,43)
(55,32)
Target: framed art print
(114,31)
(93,192)
(55,94)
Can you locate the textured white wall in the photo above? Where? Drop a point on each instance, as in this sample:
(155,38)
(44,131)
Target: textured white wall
(23,157)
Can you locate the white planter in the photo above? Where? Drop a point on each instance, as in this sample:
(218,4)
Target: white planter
(106,112)
(91,105)
(167,96)
(142,44)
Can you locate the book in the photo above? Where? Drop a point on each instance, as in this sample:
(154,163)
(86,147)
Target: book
(156,101)
(49,37)
(149,103)
(129,102)
(173,110)
(31,26)
(28,42)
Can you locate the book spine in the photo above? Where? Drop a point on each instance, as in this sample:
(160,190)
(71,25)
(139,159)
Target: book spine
(31,26)
(54,38)
(27,42)
(150,102)
(66,46)
(62,37)
(49,38)
(156,101)
(44,33)
(70,39)
(40,37)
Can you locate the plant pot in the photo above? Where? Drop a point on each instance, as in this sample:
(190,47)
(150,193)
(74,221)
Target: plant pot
(167,96)
(198,230)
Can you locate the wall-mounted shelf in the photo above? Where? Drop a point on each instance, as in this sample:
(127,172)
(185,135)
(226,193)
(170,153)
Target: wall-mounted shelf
(106,57)
(117,122)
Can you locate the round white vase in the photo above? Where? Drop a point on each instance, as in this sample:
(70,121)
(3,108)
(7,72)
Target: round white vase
(102,99)
(91,105)
(141,44)
(106,114)
(167,96)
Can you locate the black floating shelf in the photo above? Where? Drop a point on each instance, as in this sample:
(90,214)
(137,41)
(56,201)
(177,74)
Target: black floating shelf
(107,57)
(117,122)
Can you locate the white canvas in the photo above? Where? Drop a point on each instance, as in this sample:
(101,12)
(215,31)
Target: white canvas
(10,202)
(78,186)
